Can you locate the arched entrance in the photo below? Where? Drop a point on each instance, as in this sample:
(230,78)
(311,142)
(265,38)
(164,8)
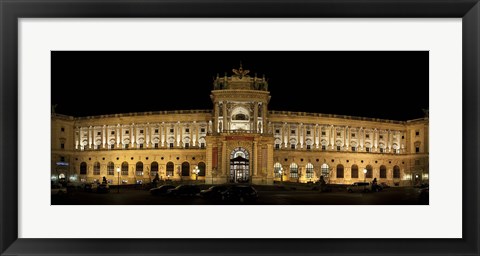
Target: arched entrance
(239,166)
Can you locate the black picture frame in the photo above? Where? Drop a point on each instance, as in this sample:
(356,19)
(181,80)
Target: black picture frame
(11,11)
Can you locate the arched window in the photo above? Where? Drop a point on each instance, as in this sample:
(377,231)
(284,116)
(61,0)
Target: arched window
(110,168)
(396,172)
(293,170)
(340,171)
(83,168)
(124,169)
(96,168)
(139,169)
(325,171)
(276,170)
(185,169)
(383,172)
(354,171)
(202,167)
(170,168)
(309,171)
(153,169)
(369,173)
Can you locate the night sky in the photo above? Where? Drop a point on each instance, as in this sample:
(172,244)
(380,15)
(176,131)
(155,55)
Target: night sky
(387,85)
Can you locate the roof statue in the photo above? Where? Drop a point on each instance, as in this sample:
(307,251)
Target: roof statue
(241,72)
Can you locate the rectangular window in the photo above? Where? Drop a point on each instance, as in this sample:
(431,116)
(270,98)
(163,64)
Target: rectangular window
(127,132)
(367,149)
(277,131)
(381,150)
(62,129)
(126,146)
(308,132)
(338,148)
(323,133)
(156,131)
(171,130)
(112,133)
(354,149)
(367,136)
(380,136)
(202,130)
(324,147)
(417,133)
(353,135)
(141,131)
(141,146)
(62,159)
(171,145)
(202,145)
(187,130)
(308,147)
(99,133)
(339,134)
(292,146)
(62,145)
(293,131)
(277,146)
(97,147)
(112,146)
(187,145)
(156,145)
(403,137)
(417,149)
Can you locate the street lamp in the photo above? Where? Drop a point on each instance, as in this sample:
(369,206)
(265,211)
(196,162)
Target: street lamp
(196,171)
(364,175)
(118,184)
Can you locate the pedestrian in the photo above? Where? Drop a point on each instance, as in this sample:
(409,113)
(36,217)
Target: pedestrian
(374,184)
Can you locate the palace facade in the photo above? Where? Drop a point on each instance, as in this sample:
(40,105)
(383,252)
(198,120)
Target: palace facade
(239,140)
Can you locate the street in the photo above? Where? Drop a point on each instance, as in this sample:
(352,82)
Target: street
(389,196)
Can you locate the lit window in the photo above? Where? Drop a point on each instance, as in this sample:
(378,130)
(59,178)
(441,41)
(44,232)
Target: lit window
(293,170)
(309,171)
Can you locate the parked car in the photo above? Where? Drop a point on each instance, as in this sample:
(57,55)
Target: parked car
(359,187)
(240,193)
(184,190)
(213,192)
(58,189)
(384,185)
(103,188)
(90,187)
(162,190)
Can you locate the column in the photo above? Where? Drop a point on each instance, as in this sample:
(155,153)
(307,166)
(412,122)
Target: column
(90,137)
(104,133)
(346,137)
(118,133)
(194,133)
(255,158)
(255,116)
(162,134)
(264,117)
(147,135)
(334,138)
(223,159)
(177,133)
(215,121)
(132,137)
(285,134)
(331,136)
(317,136)
(300,135)
(77,137)
(375,139)
(225,122)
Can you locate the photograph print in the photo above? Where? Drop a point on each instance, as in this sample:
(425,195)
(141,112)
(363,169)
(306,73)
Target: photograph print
(240,128)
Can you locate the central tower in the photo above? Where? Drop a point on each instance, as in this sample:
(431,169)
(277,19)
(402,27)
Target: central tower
(240,143)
